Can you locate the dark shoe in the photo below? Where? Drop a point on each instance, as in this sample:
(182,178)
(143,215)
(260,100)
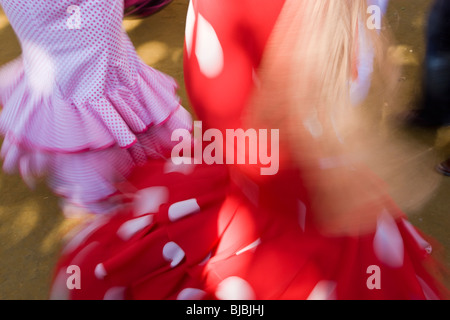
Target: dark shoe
(444,168)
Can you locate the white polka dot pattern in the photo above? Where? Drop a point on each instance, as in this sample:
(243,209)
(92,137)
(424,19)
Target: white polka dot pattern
(191,294)
(131,227)
(100,271)
(235,288)
(183,208)
(208,49)
(115,293)
(388,242)
(80,89)
(301,214)
(324,290)
(237,238)
(172,252)
(148,200)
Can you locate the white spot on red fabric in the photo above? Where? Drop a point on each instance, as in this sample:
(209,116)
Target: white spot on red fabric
(208,49)
(235,288)
(251,246)
(115,293)
(191,294)
(189,30)
(100,271)
(131,227)
(149,200)
(172,252)
(82,235)
(182,209)
(324,290)
(388,242)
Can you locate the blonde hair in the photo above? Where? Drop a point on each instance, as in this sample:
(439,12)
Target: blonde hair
(304,90)
(307,67)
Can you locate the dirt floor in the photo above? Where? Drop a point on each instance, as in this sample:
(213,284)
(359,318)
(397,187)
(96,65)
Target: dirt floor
(31,223)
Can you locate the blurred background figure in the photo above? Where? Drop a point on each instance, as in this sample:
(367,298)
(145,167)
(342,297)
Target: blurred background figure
(80,108)
(434,109)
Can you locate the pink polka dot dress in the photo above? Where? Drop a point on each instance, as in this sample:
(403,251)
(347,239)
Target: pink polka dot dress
(78,104)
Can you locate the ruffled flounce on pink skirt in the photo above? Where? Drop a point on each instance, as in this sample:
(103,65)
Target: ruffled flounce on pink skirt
(85,147)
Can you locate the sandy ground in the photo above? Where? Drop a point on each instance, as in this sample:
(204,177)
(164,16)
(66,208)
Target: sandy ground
(31,223)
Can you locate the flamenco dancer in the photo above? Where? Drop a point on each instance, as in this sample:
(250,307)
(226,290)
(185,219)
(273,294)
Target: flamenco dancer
(322,227)
(79,106)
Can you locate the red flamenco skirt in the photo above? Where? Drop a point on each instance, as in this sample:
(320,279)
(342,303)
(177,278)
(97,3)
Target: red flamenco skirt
(195,232)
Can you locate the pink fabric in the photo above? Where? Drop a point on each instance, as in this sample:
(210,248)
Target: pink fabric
(144,8)
(79,91)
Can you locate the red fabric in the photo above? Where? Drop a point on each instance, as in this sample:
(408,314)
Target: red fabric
(243,29)
(210,232)
(290,258)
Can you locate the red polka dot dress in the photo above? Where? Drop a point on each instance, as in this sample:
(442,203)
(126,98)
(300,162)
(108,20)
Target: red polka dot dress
(197,231)
(79,104)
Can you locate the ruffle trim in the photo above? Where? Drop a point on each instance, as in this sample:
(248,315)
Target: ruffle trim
(54,124)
